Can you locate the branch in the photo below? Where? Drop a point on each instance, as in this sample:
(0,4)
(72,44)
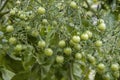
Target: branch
(89,7)
(3,5)
(3,13)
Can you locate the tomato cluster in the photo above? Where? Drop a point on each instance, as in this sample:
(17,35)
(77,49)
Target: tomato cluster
(61,36)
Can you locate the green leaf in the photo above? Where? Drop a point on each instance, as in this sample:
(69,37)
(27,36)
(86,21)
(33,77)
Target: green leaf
(6,74)
(21,76)
(77,71)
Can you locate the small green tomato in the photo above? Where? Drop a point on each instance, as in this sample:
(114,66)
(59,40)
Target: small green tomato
(48,52)
(101,67)
(41,10)
(102,26)
(115,67)
(68,51)
(73,4)
(78,56)
(84,36)
(89,33)
(62,43)
(9,28)
(41,44)
(76,39)
(60,59)
(12,40)
(18,47)
(98,43)
(44,21)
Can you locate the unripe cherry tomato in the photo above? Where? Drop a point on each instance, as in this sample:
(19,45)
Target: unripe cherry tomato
(9,28)
(12,40)
(98,43)
(48,52)
(77,46)
(91,59)
(78,56)
(12,12)
(41,10)
(62,43)
(101,67)
(115,67)
(102,26)
(59,59)
(35,33)
(18,47)
(84,36)
(68,51)
(73,4)
(44,21)
(41,44)
(106,77)
(76,39)
(116,74)
(89,33)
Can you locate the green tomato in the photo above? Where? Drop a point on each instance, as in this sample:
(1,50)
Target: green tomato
(41,44)
(102,26)
(12,40)
(68,51)
(23,16)
(106,77)
(84,36)
(77,46)
(35,33)
(76,39)
(62,43)
(116,74)
(73,4)
(48,52)
(78,56)
(100,21)
(9,28)
(18,47)
(54,22)
(101,67)
(98,43)
(28,28)
(41,10)
(44,21)
(89,34)
(115,67)
(12,12)
(72,43)
(59,59)
(91,59)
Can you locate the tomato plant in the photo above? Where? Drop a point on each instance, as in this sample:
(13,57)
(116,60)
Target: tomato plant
(59,40)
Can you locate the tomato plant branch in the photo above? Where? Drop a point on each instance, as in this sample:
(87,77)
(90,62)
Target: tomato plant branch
(89,8)
(3,13)
(3,5)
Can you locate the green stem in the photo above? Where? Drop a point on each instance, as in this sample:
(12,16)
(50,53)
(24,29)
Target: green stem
(70,71)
